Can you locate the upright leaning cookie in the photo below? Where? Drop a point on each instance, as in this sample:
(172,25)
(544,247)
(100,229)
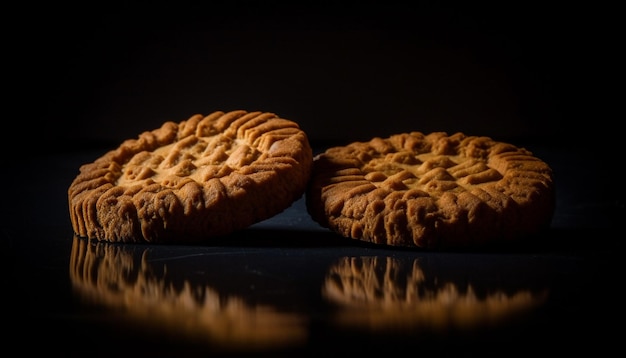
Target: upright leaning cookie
(431,191)
(187,182)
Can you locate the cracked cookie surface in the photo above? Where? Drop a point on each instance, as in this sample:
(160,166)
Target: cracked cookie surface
(431,191)
(190,181)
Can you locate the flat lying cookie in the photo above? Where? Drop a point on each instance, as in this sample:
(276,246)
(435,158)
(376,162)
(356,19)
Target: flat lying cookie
(187,182)
(431,191)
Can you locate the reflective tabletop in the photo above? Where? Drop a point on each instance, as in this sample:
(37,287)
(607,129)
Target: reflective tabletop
(287,286)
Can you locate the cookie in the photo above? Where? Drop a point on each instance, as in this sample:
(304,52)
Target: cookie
(434,191)
(187,182)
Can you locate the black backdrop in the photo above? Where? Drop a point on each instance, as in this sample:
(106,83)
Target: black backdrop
(346,70)
(85,76)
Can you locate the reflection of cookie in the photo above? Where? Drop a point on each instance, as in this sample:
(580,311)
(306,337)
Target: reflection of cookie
(431,191)
(156,292)
(391,293)
(185,182)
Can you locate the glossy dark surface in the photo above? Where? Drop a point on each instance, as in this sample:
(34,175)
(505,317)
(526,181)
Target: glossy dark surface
(287,286)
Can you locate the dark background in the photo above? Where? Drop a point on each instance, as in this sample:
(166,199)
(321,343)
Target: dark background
(344,70)
(81,78)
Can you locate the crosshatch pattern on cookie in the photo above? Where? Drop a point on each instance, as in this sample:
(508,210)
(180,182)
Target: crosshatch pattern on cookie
(184,182)
(431,190)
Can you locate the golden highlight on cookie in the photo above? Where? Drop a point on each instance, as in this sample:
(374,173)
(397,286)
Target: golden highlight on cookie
(187,182)
(431,191)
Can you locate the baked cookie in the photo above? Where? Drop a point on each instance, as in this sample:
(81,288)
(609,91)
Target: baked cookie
(186,182)
(432,191)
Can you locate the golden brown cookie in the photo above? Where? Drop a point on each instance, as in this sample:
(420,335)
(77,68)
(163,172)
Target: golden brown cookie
(431,191)
(187,182)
